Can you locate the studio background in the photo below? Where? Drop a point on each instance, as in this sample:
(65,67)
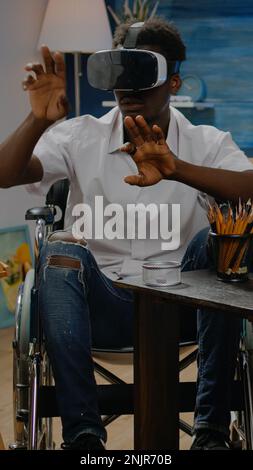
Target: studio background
(218,36)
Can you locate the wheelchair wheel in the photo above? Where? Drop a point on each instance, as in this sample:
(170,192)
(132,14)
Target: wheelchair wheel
(21,363)
(242,425)
(31,369)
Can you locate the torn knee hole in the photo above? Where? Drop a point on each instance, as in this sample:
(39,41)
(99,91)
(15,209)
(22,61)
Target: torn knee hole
(63,262)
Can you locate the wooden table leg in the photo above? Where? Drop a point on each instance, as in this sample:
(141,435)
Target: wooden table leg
(156,373)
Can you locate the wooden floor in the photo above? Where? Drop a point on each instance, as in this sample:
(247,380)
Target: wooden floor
(120,432)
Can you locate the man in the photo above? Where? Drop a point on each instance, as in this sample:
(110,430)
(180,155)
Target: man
(166,162)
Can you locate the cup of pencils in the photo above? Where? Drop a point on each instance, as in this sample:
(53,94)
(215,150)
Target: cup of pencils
(231,240)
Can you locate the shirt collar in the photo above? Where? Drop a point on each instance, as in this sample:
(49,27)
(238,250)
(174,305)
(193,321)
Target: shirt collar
(116,139)
(173,133)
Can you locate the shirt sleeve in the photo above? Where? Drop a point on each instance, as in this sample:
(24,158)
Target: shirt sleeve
(54,150)
(229,156)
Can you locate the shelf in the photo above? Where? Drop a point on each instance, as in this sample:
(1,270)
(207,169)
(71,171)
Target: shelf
(192,104)
(179,104)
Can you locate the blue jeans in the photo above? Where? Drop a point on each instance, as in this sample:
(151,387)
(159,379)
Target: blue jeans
(218,341)
(81,308)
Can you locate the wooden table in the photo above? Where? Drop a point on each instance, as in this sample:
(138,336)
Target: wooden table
(156,356)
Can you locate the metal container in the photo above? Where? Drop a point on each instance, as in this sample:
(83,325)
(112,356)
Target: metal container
(232,255)
(161,273)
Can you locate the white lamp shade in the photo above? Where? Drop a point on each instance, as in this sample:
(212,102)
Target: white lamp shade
(76,26)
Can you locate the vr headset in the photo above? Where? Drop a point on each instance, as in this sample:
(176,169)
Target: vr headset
(129,68)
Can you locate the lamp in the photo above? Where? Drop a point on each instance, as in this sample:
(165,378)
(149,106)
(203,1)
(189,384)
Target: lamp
(76,26)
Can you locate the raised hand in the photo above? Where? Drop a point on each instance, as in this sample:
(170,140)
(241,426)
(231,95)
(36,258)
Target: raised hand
(150,152)
(47,92)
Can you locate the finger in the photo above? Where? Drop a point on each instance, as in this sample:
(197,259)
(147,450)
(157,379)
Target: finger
(48,59)
(133,131)
(159,135)
(37,68)
(63,103)
(128,148)
(28,81)
(135,180)
(59,64)
(144,128)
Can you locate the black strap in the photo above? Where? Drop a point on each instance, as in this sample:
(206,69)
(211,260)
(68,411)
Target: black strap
(132,36)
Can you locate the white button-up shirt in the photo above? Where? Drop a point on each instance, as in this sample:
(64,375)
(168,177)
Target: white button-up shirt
(86,151)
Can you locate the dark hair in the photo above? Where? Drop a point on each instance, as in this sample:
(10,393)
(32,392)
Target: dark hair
(157,32)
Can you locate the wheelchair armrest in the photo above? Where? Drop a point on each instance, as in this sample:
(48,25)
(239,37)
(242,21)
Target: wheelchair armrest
(45,213)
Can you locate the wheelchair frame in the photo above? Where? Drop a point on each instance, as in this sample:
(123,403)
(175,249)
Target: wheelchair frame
(242,422)
(32,373)
(31,367)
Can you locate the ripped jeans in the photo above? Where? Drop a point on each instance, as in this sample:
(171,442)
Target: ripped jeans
(81,308)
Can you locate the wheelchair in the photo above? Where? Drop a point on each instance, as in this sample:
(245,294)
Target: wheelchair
(242,420)
(34,400)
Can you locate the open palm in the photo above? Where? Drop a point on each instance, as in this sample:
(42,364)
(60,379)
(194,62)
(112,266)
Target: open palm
(150,152)
(47,90)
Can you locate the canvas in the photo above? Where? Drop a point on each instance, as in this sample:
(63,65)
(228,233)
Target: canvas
(15,252)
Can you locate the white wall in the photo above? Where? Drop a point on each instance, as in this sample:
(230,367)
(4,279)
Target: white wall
(20,22)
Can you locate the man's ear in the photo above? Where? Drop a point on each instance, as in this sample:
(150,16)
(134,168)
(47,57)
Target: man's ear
(175,84)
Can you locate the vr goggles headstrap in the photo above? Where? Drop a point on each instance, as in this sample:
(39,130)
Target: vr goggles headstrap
(131,43)
(132,36)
